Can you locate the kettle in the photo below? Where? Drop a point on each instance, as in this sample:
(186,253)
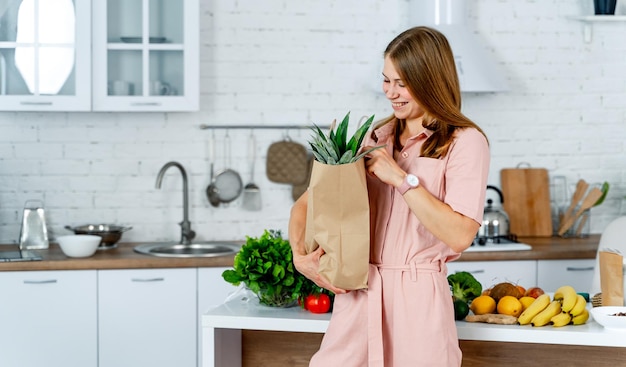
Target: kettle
(495,220)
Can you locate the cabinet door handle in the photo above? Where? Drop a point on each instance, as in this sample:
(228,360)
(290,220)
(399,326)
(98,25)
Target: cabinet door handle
(577,268)
(478,271)
(40,281)
(146,280)
(29,103)
(146,104)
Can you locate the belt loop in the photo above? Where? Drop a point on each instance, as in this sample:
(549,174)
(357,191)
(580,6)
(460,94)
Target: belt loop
(413,272)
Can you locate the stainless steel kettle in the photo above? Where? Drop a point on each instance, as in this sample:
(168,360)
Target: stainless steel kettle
(495,220)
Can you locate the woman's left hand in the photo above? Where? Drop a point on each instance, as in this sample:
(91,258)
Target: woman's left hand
(382,165)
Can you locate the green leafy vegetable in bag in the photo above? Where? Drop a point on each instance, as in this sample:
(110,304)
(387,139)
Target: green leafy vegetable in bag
(335,148)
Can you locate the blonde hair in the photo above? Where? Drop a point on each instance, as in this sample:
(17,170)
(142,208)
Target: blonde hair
(423,58)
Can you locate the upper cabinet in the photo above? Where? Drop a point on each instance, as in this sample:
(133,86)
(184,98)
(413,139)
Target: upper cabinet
(45,55)
(145,55)
(137,55)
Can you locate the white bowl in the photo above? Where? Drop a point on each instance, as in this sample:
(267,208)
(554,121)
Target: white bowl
(604,316)
(80,245)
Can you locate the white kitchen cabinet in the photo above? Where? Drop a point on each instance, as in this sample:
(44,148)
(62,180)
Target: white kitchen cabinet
(147,317)
(146,55)
(489,273)
(212,291)
(551,274)
(45,55)
(212,288)
(48,319)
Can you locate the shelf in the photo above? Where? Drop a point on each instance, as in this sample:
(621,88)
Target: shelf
(601,18)
(588,21)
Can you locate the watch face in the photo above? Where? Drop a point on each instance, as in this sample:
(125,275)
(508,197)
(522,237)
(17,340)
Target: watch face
(412,180)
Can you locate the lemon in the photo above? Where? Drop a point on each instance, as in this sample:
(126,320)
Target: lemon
(526,301)
(509,305)
(482,305)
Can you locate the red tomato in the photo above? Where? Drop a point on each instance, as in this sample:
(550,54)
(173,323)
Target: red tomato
(317,303)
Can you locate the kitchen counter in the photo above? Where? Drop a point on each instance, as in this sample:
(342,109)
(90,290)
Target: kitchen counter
(543,248)
(123,257)
(223,325)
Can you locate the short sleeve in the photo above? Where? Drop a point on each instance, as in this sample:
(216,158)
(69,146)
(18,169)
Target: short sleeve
(466,173)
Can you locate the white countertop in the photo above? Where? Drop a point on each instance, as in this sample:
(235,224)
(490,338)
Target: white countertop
(251,315)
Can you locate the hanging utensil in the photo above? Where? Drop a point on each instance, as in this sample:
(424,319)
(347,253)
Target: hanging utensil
(227,183)
(211,190)
(587,203)
(251,192)
(287,162)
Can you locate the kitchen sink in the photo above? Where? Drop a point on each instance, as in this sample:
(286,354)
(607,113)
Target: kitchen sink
(196,249)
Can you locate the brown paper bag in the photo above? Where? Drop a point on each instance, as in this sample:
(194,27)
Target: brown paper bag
(611,278)
(338,220)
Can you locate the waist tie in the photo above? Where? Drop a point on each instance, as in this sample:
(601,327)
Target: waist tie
(376,357)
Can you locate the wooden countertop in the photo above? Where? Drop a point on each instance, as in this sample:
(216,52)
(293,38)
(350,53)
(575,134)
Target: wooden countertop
(123,257)
(543,248)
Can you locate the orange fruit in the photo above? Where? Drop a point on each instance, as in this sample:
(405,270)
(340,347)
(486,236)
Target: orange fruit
(510,305)
(526,301)
(482,305)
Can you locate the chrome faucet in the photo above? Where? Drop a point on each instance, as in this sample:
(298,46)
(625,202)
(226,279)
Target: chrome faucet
(186,233)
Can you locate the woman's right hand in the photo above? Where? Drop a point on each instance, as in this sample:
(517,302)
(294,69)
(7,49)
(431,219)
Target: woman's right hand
(308,264)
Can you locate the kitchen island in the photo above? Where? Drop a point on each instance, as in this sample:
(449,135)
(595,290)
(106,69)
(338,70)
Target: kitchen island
(482,344)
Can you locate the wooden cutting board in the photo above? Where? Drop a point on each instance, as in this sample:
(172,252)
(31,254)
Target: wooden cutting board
(526,194)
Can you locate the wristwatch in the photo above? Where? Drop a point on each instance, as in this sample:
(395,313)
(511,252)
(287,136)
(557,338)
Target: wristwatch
(410,182)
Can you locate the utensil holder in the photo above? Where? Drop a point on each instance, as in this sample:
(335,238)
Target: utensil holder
(33,234)
(581,227)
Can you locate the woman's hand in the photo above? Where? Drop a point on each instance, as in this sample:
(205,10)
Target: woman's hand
(382,165)
(307,265)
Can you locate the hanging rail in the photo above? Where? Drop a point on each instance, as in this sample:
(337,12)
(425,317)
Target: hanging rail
(282,127)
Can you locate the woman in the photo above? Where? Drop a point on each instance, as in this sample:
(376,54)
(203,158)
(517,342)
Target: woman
(427,191)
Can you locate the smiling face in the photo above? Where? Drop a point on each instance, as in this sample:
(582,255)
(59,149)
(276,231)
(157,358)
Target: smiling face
(405,107)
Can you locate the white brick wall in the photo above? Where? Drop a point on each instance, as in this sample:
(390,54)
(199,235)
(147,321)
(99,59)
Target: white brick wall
(296,62)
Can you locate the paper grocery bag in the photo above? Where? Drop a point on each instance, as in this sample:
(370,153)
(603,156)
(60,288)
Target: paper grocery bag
(611,278)
(338,220)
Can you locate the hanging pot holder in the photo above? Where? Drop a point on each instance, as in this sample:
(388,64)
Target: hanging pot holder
(287,162)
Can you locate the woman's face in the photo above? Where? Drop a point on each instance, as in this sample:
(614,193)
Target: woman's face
(403,104)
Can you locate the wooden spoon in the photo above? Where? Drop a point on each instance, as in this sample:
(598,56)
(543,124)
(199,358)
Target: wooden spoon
(581,224)
(581,189)
(587,203)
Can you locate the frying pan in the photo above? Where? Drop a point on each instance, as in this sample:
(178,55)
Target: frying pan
(227,185)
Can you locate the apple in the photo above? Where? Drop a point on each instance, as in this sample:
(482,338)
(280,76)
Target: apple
(522,291)
(534,292)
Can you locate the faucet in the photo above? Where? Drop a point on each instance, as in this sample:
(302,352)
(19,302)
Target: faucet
(186,233)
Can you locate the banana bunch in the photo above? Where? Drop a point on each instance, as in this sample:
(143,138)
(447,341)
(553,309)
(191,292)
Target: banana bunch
(566,307)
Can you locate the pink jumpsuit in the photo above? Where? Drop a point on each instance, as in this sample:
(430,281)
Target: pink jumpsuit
(405,318)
